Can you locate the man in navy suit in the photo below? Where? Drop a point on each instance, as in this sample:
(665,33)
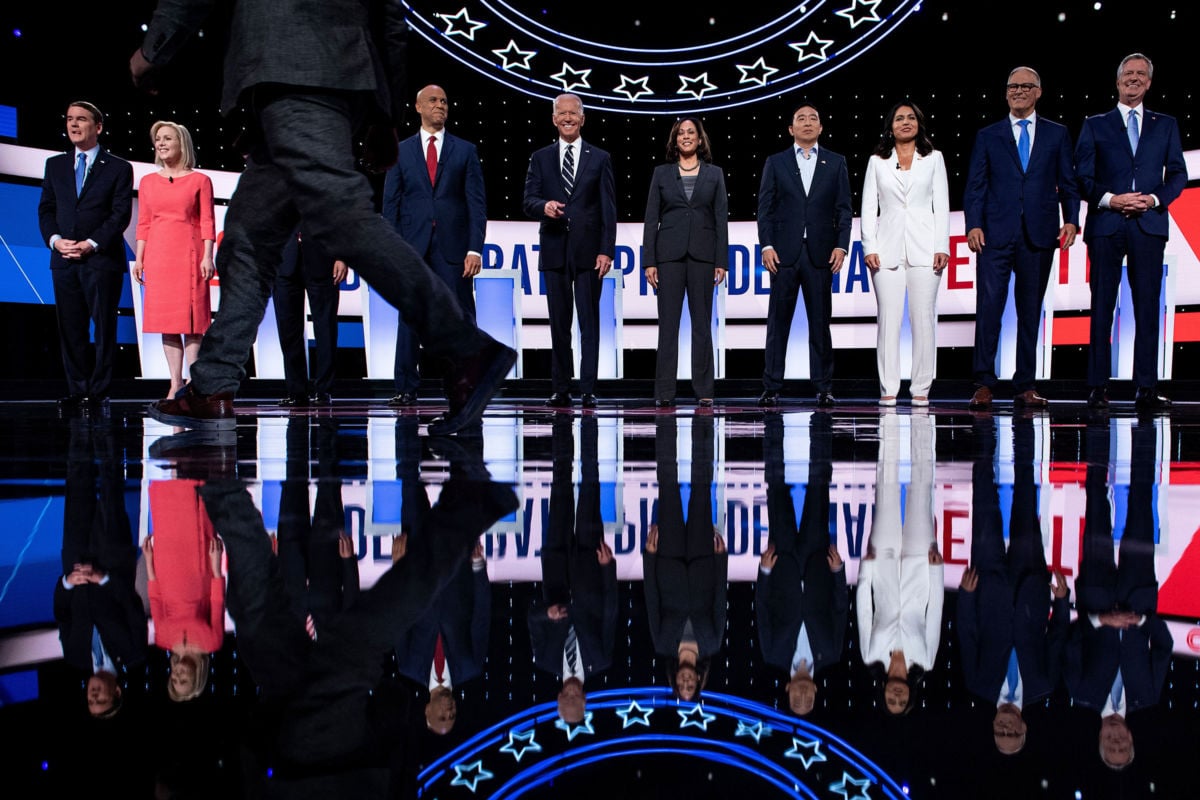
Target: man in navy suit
(570,190)
(307,269)
(87,199)
(1021,173)
(804,221)
(1130,166)
(435,198)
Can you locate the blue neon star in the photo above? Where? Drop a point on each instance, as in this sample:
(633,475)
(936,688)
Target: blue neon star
(696,718)
(696,86)
(754,731)
(635,715)
(758,72)
(453,21)
(571,78)
(808,753)
(470,775)
(860,11)
(814,42)
(842,789)
(514,56)
(574,730)
(633,88)
(527,744)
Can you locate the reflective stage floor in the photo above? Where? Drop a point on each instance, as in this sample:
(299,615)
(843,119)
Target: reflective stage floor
(877,603)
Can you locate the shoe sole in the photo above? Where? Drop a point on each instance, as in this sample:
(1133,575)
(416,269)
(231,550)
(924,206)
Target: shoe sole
(222,424)
(472,410)
(167,445)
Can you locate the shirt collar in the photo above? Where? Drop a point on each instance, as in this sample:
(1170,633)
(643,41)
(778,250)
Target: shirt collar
(91,154)
(799,151)
(1013,121)
(1124,109)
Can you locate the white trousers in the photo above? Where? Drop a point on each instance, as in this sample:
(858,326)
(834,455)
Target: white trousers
(890,286)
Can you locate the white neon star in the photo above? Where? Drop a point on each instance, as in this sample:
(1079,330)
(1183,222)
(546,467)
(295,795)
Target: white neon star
(527,744)
(808,753)
(514,56)
(688,85)
(758,72)
(813,39)
(842,789)
(696,718)
(754,731)
(570,78)
(469,26)
(860,11)
(634,88)
(574,730)
(635,714)
(470,775)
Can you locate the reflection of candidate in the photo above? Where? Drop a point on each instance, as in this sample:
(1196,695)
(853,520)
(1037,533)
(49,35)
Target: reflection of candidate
(686,565)
(900,592)
(801,601)
(573,627)
(1011,655)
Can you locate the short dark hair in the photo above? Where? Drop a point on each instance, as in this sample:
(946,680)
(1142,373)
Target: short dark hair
(703,148)
(887,141)
(804,105)
(91,108)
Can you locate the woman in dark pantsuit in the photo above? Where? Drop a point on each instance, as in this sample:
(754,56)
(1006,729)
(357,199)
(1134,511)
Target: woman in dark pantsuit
(685,250)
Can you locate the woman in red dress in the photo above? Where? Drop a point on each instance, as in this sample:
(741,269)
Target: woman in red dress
(174,259)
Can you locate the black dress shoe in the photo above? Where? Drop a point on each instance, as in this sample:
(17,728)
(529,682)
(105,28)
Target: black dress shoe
(470,384)
(559,400)
(705,402)
(664,403)
(825,400)
(320,399)
(71,404)
(588,400)
(95,407)
(403,400)
(1098,399)
(769,398)
(1150,400)
(294,401)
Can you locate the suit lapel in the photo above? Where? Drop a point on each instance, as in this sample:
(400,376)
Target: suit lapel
(1010,144)
(893,169)
(92,174)
(447,150)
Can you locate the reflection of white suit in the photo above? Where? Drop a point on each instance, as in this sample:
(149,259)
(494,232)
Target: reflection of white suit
(900,593)
(905,221)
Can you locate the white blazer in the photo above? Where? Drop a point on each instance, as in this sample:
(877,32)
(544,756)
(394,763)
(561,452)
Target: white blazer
(912,223)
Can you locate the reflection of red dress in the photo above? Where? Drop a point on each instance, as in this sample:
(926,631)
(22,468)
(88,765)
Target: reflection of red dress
(187,604)
(174,219)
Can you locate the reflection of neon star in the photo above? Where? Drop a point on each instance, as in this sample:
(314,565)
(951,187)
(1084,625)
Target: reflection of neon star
(514,56)
(758,72)
(842,789)
(577,728)
(633,89)
(754,731)
(470,775)
(808,753)
(812,41)
(860,11)
(696,718)
(469,26)
(527,744)
(688,85)
(570,78)
(635,715)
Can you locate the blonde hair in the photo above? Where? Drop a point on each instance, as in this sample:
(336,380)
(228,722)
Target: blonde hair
(199,663)
(187,151)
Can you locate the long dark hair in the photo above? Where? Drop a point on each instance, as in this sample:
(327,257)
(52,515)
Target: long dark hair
(887,141)
(703,148)
(701,668)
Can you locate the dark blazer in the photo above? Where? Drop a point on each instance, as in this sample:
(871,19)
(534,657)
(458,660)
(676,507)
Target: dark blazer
(455,204)
(785,211)
(463,616)
(677,228)
(1143,655)
(1006,202)
(101,212)
(1104,162)
(588,227)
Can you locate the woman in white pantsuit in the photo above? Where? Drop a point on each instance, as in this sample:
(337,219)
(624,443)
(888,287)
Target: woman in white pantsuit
(906,239)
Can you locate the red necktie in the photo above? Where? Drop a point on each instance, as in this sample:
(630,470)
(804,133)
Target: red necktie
(431,159)
(439,660)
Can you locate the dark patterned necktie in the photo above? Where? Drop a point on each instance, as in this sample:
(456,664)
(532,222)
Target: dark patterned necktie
(568,171)
(572,650)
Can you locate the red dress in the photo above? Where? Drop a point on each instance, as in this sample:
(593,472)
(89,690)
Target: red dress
(187,603)
(174,219)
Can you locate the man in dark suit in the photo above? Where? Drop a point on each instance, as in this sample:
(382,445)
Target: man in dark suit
(570,189)
(435,198)
(1021,173)
(307,269)
(309,74)
(1130,166)
(87,199)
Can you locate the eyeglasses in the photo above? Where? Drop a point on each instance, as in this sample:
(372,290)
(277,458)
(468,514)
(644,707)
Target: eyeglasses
(1022,87)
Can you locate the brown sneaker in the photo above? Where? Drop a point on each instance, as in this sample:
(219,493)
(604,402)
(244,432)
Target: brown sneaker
(982,399)
(1030,399)
(190,409)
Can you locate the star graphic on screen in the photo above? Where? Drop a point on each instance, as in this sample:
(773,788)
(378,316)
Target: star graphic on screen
(758,72)
(808,753)
(470,775)
(755,731)
(814,42)
(514,56)
(635,715)
(521,743)
(577,728)
(633,88)
(460,24)
(696,718)
(860,11)
(570,78)
(843,787)
(689,85)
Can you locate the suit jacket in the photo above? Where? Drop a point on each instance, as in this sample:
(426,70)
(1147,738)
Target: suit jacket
(1143,655)
(1008,203)
(463,617)
(906,220)
(101,212)
(455,204)
(1105,162)
(588,227)
(677,228)
(348,45)
(992,621)
(786,211)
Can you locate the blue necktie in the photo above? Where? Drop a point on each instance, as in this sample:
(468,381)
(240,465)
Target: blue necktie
(80,172)
(1132,129)
(97,647)
(1023,144)
(1014,676)
(1117,689)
